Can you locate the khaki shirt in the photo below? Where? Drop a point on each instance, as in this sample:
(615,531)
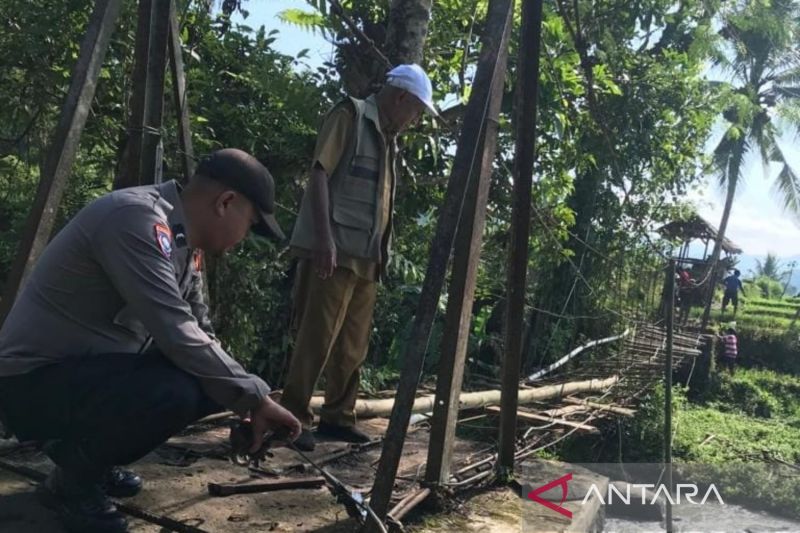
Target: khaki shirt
(119,274)
(331,145)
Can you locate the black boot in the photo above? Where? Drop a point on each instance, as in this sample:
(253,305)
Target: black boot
(119,483)
(305,441)
(81,505)
(342,433)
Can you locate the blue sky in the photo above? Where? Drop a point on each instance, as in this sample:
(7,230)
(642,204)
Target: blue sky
(757,224)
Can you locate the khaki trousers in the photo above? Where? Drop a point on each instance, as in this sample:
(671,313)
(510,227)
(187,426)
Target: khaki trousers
(333,318)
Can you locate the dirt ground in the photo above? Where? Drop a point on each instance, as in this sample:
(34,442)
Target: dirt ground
(177,477)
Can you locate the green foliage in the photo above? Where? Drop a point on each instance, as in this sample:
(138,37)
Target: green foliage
(758,393)
(769,268)
(750,418)
(768,287)
(608,169)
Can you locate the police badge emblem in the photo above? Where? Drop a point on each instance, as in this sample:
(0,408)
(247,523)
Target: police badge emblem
(164,240)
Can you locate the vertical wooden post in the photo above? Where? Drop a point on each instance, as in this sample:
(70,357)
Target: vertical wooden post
(141,163)
(150,167)
(461,295)
(64,146)
(525,118)
(670,290)
(494,38)
(179,93)
(130,166)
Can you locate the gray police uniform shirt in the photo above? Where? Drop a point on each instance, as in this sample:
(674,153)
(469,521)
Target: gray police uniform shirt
(117,275)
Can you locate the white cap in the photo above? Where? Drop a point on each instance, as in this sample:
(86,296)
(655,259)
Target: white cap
(414,80)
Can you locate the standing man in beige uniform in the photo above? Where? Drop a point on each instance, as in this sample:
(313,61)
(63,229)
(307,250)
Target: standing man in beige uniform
(342,239)
(108,350)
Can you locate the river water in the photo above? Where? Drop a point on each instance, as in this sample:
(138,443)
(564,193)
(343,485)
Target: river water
(708,518)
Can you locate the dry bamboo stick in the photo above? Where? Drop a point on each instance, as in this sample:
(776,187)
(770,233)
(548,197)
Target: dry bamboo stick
(524,415)
(601,406)
(407,504)
(566,410)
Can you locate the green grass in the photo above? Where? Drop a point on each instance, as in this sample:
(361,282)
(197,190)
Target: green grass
(758,313)
(732,437)
(758,393)
(746,418)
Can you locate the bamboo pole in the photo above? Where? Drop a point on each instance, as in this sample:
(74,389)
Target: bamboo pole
(474,400)
(573,353)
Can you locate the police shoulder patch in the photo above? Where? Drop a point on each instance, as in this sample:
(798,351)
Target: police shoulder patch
(197,259)
(164,239)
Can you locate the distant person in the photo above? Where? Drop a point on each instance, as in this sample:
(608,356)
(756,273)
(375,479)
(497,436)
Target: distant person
(730,350)
(686,287)
(732,287)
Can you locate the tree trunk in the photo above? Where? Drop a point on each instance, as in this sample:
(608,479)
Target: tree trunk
(408,27)
(361,68)
(733,178)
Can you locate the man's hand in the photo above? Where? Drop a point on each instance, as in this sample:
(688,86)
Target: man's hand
(325,257)
(271,416)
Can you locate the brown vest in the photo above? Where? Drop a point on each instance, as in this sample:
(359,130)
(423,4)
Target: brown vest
(355,188)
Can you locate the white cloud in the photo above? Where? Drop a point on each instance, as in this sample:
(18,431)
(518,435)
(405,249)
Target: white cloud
(757,223)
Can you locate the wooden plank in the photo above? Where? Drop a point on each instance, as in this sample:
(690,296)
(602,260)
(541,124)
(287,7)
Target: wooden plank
(494,38)
(63,147)
(458,319)
(151,157)
(179,94)
(130,164)
(524,415)
(525,126)
(669,290)
(229,489)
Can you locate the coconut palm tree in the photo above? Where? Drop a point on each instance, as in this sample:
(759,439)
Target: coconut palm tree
(759,55)
(770,268)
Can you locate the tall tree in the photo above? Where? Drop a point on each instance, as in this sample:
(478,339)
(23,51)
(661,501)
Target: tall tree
(369,38)
(770,267)
(759,54)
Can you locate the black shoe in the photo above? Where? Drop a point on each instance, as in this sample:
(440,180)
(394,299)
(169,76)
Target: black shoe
(305,441)
(82,506)
(119,483)
(343,433)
